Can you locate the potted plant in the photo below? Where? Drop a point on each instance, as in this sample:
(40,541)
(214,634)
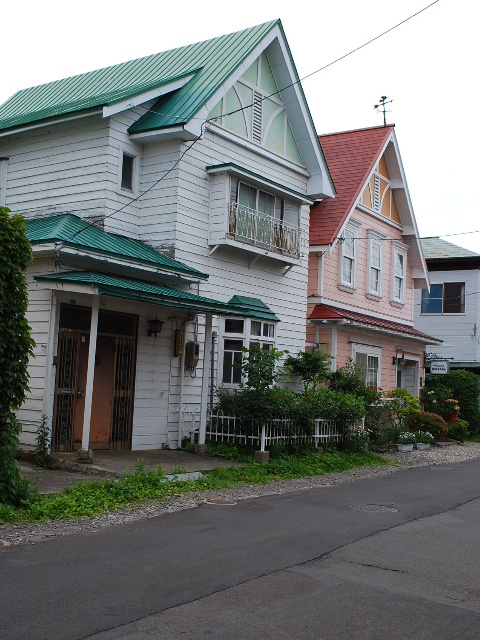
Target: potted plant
(451,409)
(424,440)
(431,422)
(405,441)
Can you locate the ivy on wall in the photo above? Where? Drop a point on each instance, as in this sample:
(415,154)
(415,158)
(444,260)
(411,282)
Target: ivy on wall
(16,346)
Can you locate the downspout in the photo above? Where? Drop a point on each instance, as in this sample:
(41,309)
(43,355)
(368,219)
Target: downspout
(47,405)
(334,347)
(182,379)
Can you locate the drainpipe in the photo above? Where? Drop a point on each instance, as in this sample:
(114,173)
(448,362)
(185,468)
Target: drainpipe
(182,379)
(212,368)
(334,348)
(205,372)
(47,399)
(92,347)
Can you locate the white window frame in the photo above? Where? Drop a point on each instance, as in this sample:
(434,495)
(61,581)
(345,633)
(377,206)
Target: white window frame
(375,238)
(135,172)
(345,285)
(263,341)
(3,181)
(398,249)
(369,351)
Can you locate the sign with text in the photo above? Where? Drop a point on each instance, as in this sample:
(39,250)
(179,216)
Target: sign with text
(439,367)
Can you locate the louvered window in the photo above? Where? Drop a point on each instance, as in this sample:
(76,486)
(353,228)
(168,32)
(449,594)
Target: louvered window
(257,117)
(376,194)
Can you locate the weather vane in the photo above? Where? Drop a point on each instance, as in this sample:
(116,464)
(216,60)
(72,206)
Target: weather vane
(381,104)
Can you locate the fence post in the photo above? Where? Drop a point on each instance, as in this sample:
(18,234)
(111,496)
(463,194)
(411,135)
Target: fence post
(262,455)
(317,432)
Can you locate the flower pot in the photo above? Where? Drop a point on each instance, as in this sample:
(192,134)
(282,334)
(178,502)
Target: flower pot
(441,438)
(405,447)
(423,446)
(451,418)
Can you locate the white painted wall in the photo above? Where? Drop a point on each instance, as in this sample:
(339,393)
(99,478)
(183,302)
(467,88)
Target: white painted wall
(460,332)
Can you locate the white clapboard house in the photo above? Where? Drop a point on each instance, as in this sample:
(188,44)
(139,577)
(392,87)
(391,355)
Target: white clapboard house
(167,203)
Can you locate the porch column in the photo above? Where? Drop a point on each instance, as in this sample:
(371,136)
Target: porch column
(205,378)
(92,347)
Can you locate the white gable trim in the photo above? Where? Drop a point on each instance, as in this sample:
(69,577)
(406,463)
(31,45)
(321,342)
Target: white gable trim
(141,98)
(320,184)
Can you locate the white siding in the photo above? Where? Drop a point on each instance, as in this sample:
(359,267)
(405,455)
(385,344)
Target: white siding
(460,332)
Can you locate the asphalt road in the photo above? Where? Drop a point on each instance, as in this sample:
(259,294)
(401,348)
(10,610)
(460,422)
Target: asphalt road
(295,566)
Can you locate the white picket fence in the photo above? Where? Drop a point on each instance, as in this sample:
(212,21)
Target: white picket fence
(224,428)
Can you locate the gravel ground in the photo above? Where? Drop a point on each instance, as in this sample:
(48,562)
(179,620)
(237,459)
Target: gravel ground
(31,534)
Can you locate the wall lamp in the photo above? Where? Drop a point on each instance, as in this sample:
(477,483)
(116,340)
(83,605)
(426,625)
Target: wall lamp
(396,359)
(154,327)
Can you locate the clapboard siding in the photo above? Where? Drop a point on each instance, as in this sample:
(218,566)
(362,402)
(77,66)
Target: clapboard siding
(460,332)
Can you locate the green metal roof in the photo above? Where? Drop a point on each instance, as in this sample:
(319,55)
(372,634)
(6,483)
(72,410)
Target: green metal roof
(75,232)
(143,292)
(436,248)
(212,62)
(253,308)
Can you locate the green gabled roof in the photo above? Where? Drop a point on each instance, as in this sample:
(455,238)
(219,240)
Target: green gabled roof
(436,248)
(212,62)
(253,308)
(75,232)
(141,291)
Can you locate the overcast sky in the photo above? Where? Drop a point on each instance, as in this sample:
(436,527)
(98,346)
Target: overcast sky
(428,66)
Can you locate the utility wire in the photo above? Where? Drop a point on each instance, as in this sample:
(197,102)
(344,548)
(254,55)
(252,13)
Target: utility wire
(205,122)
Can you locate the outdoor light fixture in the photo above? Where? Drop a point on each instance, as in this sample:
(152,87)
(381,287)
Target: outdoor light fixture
(154,327)
(396,359)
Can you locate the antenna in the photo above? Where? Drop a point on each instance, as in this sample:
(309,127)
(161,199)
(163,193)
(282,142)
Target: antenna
(381,104)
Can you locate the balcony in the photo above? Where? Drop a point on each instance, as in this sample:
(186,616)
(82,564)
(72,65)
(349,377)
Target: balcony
(264,232)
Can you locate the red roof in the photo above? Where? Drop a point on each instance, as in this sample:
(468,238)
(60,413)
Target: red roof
(351,157)
(326,312)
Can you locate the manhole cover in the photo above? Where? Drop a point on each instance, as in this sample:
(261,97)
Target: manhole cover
(221,503)
(372,507)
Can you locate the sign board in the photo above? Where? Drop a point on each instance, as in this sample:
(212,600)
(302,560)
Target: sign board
(439,367)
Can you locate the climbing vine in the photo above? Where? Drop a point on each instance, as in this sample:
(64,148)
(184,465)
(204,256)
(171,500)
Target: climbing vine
(16,346)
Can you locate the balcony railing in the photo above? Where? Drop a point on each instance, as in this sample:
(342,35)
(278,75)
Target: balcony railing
(263,231)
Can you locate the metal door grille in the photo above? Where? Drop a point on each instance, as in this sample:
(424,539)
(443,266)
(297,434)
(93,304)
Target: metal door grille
(121,430)
(65,390)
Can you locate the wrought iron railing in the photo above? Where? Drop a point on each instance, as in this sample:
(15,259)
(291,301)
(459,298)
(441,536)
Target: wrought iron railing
(264,231)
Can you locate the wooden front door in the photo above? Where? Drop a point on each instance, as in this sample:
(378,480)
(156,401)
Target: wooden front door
(113,387)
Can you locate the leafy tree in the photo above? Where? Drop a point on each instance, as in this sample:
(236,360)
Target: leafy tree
(312,368)
(16,346)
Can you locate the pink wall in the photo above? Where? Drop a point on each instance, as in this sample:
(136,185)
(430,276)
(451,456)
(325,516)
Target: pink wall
(358,298)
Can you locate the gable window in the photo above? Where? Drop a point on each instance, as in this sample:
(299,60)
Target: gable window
(375,264)
(3,181)
(127,172)
(399,270)
(448,297)
(242,334)
(348,257)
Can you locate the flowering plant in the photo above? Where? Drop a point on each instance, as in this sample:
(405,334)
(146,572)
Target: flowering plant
(406,437)
(451,406)
(424,437)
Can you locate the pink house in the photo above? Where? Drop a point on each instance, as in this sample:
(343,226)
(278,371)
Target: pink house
(365,260)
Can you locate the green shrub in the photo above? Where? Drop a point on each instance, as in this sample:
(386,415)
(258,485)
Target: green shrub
(312,368)
(458,430)
(461,385)
(426,421)
(402,404)
(351,379)
(424,437)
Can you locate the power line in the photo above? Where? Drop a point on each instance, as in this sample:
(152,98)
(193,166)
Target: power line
(205,122)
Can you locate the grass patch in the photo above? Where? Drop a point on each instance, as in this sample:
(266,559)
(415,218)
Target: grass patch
(146,485)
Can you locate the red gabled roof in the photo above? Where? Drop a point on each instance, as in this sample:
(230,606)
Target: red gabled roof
(351,157)
(326,312)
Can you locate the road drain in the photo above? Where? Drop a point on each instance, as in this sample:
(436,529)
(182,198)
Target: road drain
(221,503)
(372,507)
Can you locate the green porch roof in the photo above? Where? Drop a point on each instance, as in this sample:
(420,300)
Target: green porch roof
(62,228)
(143,292)
(253,308)
(211,62)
